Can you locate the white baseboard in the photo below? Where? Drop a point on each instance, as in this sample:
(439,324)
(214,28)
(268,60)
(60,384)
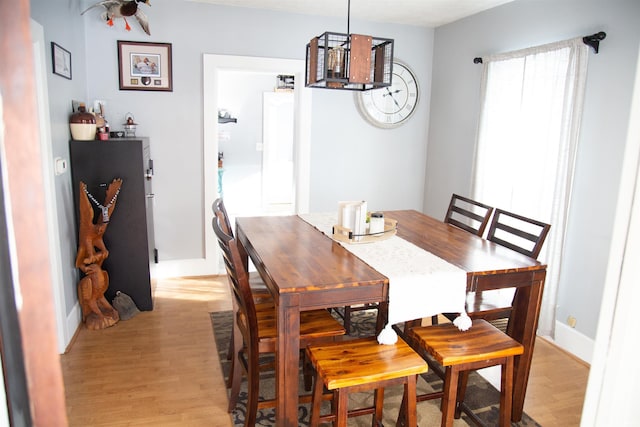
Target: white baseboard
(184,268)
(72,321)
(574,342)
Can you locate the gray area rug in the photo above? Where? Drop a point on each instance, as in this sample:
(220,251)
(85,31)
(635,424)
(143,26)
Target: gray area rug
(481,396)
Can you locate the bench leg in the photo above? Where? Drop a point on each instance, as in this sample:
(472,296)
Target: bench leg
(449,397)
(506,388)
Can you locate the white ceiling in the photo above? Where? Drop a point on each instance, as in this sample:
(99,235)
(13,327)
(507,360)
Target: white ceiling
(426,13)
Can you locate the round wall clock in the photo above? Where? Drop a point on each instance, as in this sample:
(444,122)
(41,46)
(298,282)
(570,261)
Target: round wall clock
(393,105)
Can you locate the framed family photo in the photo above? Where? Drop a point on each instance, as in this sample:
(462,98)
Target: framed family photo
(61,59)
(145,66)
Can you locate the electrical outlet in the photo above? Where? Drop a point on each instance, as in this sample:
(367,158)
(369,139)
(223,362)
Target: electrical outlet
(571,321)
(97,103)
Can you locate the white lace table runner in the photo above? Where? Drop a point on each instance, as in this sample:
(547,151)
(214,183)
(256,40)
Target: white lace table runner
(420,283)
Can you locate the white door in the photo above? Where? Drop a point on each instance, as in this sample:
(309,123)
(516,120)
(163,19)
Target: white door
(277,154)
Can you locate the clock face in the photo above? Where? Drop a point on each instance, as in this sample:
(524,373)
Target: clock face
(390,106)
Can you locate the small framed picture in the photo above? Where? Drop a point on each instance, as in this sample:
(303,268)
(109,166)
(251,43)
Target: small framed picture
(61,58)
(145,66)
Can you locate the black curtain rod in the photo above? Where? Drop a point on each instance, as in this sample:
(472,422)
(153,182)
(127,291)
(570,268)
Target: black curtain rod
(593,40)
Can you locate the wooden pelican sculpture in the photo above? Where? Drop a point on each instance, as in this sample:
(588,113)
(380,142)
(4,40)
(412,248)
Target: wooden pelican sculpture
(123,9)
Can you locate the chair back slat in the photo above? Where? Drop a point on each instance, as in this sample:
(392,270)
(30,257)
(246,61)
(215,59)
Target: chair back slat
(468,214)
(518,233)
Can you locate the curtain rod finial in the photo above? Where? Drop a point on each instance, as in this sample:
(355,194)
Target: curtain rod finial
(477,60)
(594,40)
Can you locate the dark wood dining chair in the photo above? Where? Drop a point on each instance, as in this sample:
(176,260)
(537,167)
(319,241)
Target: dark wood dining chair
(468,214)
(453,354)
(518,233)
(258,287)
(362,365)
(259,290)
(255,328)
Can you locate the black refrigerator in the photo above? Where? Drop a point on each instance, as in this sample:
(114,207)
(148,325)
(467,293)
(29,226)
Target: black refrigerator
(129,237)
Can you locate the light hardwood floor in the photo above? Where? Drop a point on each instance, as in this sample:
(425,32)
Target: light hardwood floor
(161,368)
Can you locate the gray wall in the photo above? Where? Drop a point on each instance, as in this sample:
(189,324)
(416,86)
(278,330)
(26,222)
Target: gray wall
(455,106)
(174,120)
(349,158)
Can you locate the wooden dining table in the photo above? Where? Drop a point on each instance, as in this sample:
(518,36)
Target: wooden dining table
(305,269)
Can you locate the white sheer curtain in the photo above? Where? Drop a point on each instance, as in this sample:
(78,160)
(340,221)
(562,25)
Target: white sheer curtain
(528,131)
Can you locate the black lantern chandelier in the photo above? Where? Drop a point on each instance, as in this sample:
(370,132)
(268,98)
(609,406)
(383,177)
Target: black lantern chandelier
(349,61)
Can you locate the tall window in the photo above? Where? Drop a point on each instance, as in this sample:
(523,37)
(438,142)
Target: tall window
(527,138)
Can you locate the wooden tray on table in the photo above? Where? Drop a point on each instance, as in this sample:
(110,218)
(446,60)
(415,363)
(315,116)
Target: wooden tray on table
(344,234)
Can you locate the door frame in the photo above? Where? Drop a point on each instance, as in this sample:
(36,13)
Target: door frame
(64,330)
(212,65)
(25,218)
(611,388)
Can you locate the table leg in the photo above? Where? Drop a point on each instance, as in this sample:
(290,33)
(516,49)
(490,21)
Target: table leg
(287,360)
(522,327)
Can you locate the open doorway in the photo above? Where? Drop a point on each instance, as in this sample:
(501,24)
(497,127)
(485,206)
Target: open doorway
(216,69)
